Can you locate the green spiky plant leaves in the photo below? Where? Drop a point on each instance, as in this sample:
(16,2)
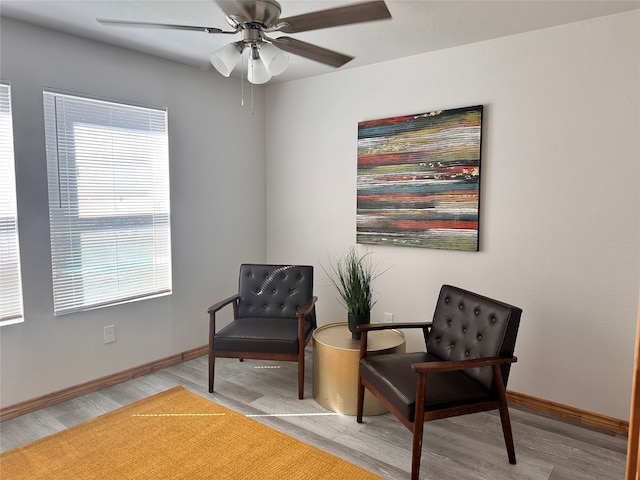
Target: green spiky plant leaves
(353,275)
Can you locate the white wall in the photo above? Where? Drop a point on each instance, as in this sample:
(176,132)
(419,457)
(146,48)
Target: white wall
(560,205)
(217,198)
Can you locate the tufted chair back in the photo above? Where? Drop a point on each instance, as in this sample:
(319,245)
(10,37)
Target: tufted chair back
(467,325)
(273,290)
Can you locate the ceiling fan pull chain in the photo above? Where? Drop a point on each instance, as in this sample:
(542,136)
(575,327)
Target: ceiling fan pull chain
(242,82)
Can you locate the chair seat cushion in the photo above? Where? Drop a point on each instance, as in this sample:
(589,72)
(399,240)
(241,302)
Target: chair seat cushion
(264,335)
(445,389)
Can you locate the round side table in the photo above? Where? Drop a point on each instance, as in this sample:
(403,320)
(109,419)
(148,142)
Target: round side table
(335,366)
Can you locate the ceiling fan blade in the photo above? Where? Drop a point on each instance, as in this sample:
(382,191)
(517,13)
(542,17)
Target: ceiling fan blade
(333,17)
(312,52)
(161,25)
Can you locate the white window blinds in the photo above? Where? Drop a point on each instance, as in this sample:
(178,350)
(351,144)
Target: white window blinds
(10,283)
(108,170)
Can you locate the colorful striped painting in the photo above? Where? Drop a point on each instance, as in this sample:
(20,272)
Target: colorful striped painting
(419,180)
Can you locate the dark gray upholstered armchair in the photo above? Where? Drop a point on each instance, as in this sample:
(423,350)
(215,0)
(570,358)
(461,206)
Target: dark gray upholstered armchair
(274,315)
(465,368)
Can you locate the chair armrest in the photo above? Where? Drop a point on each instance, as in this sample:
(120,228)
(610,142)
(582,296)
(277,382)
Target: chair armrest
(450,366)
(386,326)
(372,327)
(214,308)
(307,307)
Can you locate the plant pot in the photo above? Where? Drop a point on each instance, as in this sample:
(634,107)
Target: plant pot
(354,321)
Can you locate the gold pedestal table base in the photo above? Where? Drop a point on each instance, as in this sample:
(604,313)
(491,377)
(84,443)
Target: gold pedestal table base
(335,366)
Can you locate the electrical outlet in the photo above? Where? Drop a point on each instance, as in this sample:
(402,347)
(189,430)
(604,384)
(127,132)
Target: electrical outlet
(110,334)
(388,317)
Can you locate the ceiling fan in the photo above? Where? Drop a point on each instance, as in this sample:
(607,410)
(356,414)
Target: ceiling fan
(254,19)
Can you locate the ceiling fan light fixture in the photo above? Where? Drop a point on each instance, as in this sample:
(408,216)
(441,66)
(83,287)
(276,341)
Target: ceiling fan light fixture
(275,59)
(226,59)
(257,72)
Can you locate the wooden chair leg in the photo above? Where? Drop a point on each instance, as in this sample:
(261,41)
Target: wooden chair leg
(508,434)
(416,449)
(212,368)
(418,426)
(211,351)
(301,376)
(360,403)
(504,414)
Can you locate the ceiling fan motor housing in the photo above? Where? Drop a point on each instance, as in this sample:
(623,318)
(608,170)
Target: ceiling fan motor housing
(264,13)
(252,34)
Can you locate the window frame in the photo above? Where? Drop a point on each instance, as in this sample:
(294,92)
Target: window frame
(75,287)
(11,295)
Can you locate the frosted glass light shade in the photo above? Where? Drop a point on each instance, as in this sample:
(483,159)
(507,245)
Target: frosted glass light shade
(226,59)
(257,72)
(275,59)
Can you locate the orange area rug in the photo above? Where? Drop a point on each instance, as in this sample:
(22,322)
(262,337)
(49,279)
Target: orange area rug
(175,434)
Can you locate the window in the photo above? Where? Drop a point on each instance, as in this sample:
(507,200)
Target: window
(10,282)
(108,170)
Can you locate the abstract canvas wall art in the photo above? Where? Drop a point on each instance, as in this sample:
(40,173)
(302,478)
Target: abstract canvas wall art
(419,180)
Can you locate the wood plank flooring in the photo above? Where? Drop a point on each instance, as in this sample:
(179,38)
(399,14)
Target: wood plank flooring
(463,448)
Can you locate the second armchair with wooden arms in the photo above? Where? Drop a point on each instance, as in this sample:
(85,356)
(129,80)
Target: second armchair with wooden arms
(464,369)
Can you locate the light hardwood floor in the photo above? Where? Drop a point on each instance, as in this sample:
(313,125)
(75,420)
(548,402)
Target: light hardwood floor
(463,448)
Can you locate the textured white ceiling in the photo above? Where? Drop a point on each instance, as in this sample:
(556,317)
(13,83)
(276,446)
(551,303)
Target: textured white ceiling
(417,26)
